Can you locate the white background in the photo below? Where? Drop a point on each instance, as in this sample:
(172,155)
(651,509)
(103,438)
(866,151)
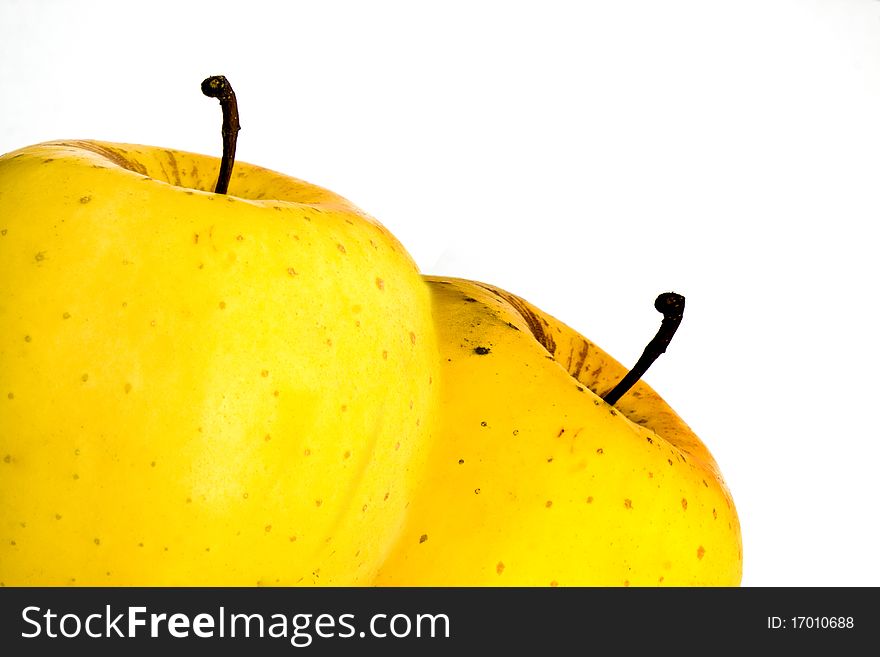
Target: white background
(585,155)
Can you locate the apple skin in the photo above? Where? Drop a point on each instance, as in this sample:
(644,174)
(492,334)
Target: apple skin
(534,480)
(201,389)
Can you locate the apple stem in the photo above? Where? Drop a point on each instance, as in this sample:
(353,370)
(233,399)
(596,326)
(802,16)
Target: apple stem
(672,307)
(217,86)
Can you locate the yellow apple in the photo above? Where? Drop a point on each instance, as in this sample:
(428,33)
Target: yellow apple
(535,480)
(200,389)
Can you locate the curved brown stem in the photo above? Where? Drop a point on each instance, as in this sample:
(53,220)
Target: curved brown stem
(672,307)
(217,86)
